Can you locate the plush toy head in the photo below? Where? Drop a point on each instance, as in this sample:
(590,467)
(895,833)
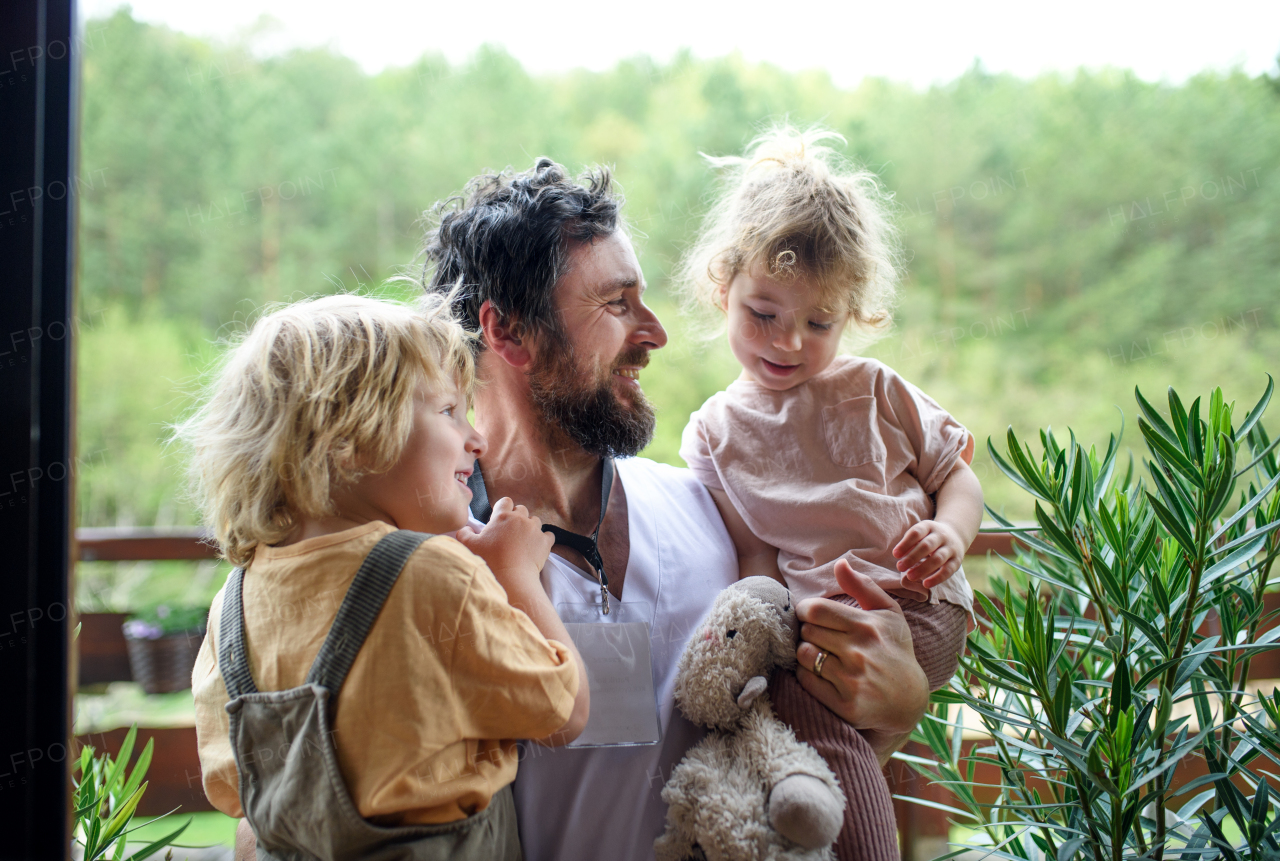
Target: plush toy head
(750,630)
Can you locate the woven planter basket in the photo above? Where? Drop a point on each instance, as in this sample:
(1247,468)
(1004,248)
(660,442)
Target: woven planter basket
(164,665)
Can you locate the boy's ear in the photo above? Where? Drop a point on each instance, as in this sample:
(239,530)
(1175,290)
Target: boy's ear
(504,337)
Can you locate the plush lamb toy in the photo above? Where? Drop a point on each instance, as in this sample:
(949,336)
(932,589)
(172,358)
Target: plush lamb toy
(749,790)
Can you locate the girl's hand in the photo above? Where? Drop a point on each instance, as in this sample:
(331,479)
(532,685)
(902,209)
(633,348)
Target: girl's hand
(513,544)
(930,552)
(870,677)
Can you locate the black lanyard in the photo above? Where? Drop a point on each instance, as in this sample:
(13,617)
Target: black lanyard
(587,545)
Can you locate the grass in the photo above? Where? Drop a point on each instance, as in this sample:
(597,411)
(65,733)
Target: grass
(103,707)
(206,829)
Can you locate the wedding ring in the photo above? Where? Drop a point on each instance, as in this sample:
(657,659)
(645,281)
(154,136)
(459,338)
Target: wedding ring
(818,662)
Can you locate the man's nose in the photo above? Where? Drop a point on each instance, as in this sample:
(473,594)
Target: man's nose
(648,331)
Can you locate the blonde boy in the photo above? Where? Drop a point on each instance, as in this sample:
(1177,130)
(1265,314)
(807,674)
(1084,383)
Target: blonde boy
(335,423)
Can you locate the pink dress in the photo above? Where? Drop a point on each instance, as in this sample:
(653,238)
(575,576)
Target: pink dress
(840,467)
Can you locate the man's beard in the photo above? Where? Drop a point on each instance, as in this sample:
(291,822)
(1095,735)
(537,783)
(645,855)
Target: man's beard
(590,413)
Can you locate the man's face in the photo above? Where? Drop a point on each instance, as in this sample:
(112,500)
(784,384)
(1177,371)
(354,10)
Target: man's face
(585,378)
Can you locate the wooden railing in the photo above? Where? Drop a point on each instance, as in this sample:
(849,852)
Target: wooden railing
(187,542)
(144,544)
(175,768)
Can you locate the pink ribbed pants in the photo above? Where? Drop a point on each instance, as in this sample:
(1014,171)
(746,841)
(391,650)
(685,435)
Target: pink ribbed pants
(938,633)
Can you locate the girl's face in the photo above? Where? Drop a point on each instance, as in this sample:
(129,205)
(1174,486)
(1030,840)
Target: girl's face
(777,331)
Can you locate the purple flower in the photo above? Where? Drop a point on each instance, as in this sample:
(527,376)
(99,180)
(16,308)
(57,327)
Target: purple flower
(137,629)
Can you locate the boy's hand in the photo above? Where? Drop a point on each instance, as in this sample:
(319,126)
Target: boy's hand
(513,544)
(930,552)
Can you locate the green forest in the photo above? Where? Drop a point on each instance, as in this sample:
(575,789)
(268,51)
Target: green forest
(1065,238)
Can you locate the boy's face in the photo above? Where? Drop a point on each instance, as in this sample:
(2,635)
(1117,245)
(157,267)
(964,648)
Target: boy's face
(426,490)
(777,330)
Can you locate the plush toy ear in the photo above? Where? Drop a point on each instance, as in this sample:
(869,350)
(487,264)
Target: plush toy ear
(756,686)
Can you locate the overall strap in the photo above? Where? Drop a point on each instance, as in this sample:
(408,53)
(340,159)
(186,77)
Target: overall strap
(233,661)
(361,607)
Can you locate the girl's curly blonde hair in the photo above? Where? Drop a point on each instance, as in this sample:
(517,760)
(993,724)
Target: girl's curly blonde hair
(315,395)
(790,207)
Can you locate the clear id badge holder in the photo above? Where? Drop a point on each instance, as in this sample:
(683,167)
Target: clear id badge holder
(615,648)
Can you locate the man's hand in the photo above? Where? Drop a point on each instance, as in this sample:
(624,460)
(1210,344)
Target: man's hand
(930,552)
(513,544)
(870,677)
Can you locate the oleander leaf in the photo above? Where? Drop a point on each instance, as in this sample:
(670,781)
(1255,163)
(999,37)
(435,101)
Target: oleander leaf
(151,848)
(1172,523)
(139,770)
(1255,414)
(1267,449)
(1240,555)
(1170,454)
(1013,474)
(1178,419)
(1253,503)
(121,760)
(1155,419)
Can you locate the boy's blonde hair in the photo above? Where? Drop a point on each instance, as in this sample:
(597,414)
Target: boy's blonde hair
(315,395)
(789,207)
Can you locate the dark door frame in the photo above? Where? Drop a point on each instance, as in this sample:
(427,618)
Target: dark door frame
(39,84)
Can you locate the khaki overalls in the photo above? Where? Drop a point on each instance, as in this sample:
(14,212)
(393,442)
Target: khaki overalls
(290,787)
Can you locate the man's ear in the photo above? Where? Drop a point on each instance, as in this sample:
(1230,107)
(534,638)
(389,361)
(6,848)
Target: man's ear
(503,337)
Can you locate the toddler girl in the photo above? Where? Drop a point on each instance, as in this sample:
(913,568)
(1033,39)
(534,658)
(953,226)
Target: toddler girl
(824,464)
(363,681)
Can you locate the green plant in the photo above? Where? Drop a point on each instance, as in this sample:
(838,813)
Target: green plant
(1129,601)
(164,620)
(106,799)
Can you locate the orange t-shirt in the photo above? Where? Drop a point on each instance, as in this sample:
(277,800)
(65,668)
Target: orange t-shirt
(449,676)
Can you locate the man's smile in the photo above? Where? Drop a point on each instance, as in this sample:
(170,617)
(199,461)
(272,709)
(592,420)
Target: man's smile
(629,365)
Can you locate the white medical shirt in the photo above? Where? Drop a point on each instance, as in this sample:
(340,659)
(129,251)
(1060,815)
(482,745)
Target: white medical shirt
(605,803)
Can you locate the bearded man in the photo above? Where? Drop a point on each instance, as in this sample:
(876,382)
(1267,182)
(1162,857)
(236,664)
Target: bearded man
(544,270)
(549,278)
